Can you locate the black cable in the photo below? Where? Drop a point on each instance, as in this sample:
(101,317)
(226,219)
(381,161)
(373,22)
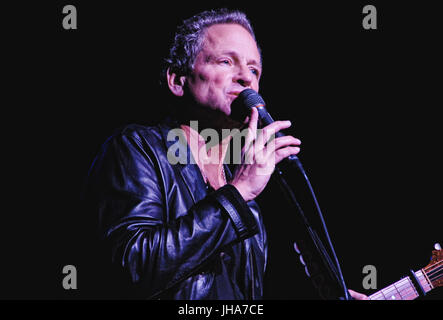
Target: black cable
(338,270)
(326,233)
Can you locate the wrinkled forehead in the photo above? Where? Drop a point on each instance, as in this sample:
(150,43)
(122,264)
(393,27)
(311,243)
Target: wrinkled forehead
(231,37)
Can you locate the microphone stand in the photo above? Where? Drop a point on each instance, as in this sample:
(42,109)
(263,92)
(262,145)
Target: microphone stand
(325,273)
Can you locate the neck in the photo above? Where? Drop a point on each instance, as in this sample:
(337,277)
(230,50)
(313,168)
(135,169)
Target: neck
(210,160)
(213,151)
(403,289)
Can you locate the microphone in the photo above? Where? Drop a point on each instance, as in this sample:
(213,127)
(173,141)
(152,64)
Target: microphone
(250,98)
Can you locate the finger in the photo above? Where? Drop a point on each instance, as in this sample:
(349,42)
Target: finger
(276,144)
(270,130)
(248,148)
(358,296)
(283,153)
(252,127)
(284,142)
(254,119)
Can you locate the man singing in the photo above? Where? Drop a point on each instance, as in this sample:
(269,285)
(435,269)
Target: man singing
(192,230)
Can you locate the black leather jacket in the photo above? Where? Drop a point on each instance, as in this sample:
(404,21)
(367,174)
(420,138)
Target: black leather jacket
(167,231)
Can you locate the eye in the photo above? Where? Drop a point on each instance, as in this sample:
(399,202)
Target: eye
(225,62)
(255,72)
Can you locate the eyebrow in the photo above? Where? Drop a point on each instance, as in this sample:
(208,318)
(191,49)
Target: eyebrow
(249,62)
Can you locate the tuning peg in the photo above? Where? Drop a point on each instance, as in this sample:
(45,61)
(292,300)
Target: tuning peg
(437,246)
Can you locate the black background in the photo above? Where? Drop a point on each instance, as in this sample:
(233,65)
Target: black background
(365,104)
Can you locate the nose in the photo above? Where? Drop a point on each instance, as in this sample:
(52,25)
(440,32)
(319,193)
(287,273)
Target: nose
(243,76)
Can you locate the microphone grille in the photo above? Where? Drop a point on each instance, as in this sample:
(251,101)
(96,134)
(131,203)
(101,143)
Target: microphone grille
(251,98)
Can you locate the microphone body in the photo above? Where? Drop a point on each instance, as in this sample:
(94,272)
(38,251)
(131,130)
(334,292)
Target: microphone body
(251,99)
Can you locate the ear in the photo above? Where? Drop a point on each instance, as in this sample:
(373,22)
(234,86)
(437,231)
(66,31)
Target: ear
(176,83)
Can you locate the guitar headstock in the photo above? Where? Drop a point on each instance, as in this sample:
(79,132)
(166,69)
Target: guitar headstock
(434,270)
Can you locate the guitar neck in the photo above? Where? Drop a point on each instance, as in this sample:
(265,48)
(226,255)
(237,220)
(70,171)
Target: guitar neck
(403,289)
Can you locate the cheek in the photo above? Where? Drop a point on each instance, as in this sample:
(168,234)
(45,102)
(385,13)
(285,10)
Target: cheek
(207,83)
(202,80)
(255,84)
(197,84)
(213,81)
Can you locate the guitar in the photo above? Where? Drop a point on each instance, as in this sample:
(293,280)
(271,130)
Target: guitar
(418,283)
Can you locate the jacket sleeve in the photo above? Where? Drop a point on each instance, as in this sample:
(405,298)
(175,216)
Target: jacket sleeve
(131,203)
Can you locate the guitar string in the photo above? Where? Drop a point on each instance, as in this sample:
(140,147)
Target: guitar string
(411,288)
(404,288)
(399,285)
(401,291)
(435,269)
(404,293)
(433,265)
(400,288)
(436,274)
(409,291)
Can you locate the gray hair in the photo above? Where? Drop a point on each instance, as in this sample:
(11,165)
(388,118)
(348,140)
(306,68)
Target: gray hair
(189,38)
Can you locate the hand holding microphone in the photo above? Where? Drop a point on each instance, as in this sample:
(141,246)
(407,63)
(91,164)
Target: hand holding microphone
(260,154)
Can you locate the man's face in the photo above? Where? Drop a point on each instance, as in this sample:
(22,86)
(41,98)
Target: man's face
(228,63)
